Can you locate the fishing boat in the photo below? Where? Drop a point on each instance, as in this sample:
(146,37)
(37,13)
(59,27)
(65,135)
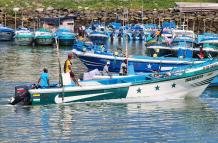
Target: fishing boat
(209,42)
(136,32)
(23,36)
(184,44)
(167,28)
(113,29)
(187,36)
(190,81)
(6,33)
(157,59)
(98,37)
(96,59)
(44,37)
(65,36)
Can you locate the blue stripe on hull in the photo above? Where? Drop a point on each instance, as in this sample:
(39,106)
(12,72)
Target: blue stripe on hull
(214,82)
(93,63)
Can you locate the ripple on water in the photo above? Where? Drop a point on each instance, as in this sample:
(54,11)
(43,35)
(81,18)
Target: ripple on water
(103,122)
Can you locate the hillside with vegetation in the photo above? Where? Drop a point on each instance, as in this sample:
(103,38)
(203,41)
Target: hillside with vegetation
(92,4)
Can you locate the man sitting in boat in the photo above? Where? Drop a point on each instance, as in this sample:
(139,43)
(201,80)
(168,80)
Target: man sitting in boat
(123,68)
(43,81)
(106,70)
(68,68)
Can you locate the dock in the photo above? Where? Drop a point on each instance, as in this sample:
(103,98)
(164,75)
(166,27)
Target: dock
(194,7)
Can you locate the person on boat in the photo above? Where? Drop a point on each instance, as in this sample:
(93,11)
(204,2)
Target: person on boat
(106,69)
(123,68)
(112,36)
(68,68)
(158,34)
(43,81)
(102,47)
(201,54)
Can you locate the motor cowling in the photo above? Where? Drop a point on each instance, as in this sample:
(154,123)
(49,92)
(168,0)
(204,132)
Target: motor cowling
(22,95)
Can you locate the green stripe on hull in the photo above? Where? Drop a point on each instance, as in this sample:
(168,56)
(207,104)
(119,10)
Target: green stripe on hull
(80,96)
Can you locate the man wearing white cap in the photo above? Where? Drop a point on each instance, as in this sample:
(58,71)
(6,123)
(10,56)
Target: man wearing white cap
(105,70)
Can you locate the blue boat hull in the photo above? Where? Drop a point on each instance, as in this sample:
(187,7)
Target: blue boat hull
(99,40)
(66,42)
(98,63)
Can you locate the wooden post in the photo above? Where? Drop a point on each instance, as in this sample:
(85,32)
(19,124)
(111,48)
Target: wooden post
(204,25)
(15,20)
(211,24)
(193,28)
(187,23)
(5,20)
(142,12)
(22,19)
(159,21)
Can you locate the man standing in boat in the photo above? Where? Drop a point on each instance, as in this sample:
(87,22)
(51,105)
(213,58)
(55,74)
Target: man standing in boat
(123,68)
(68,68)
(106,69)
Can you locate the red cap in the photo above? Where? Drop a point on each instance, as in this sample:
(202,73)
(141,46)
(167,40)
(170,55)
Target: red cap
(70,56)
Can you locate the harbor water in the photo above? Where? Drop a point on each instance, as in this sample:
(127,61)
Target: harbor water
(189,120)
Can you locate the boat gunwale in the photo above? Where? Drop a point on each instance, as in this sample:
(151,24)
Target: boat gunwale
(175,77)
(155,60)
(78,88)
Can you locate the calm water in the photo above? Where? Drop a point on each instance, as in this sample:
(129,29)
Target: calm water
(190,120)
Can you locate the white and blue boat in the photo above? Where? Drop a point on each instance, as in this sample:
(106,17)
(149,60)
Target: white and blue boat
(23,36)
(177,84)
(6,33)
(167,31)
(44,37)
(96,59)
(209,41)
(136,32)
(186,36)
(65,36)
(99,35)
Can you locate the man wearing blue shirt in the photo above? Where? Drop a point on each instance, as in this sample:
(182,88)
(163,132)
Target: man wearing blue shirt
(44,79)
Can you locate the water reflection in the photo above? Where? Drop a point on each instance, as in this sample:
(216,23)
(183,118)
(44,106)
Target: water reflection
(178,120)
(24,64)
(134,47)
(190,120)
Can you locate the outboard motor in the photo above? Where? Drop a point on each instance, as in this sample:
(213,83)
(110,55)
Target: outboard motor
(22,95)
